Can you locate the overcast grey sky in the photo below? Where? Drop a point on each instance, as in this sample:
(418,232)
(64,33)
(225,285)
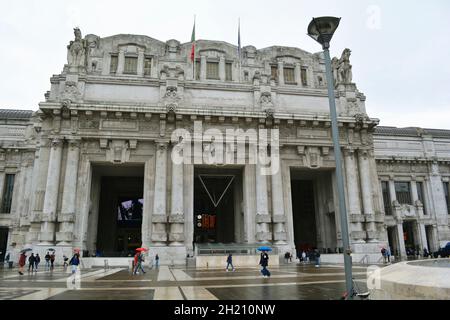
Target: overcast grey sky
(400,49)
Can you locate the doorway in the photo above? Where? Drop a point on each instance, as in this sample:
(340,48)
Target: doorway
(120,210)
(217,198)
(3,242)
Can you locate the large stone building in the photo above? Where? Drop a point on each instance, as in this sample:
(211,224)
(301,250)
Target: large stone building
(93,167)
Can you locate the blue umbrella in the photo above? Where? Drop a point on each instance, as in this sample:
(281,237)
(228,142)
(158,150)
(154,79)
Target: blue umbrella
(265,249)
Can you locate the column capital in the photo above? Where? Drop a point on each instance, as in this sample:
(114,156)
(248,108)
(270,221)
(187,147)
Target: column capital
(162,144)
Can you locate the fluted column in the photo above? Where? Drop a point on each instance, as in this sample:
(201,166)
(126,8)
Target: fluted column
(279,218)
(68,207)
(176,218)
(159,216)
(366,188)
(262,212)
(353,196)
(47,235)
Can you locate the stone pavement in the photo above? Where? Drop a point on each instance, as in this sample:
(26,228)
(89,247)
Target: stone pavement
(288,282)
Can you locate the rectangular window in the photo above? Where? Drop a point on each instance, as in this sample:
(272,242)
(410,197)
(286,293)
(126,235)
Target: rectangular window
(113,64)
(7,193)
(447,195)
(421,195)
(289,77)
(228,72)
(386,197)
(274,72)
(212,70)
(130,66)
(304,77)
(147,66)
(403,192)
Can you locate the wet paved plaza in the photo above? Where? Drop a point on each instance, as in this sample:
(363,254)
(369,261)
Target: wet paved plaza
(288,282)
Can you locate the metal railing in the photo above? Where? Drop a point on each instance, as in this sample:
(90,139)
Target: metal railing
(233,248)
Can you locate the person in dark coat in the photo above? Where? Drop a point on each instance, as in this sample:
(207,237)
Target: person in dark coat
(264,262)
(31,261)
(37,260)
(52,260)
(74,262)
(230,262)
(47,261)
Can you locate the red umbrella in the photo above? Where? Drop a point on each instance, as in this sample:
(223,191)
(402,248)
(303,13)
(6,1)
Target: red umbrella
(141,249)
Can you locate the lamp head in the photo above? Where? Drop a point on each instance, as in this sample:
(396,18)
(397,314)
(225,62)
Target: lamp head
(322,29)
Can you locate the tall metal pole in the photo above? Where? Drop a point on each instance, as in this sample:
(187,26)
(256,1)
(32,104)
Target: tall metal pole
(339,177)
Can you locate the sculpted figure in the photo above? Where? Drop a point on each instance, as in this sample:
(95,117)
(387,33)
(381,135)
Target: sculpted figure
(345,68)
(76,53)
(334,68)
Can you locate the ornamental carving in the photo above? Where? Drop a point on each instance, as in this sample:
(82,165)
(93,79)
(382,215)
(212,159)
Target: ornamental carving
(266,100)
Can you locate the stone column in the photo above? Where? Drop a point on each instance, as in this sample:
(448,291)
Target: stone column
(140,62)
(176,218)
(120,61)
(2,181)
(310,77)
(159,216)
(68,207)
(366,188)
(422,236)
(149,182)
(47,235)
(222,74)
(278,216)
(440,205)
(353,196)
(401,240)
(297,74)
(263,233)
(202,68)
(280,73)
(392,191)
(415,198)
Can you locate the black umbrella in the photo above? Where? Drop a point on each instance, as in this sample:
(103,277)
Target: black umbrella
(26,250)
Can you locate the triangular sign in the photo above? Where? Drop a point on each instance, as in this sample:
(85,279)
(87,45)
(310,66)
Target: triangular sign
(216,186)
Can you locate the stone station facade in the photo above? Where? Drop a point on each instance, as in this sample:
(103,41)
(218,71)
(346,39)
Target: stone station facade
(112,111)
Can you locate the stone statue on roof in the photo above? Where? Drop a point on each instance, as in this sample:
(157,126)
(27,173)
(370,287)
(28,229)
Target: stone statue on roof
(76,53)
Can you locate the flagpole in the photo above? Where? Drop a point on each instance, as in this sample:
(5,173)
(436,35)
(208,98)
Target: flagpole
(193,65)
(239,45)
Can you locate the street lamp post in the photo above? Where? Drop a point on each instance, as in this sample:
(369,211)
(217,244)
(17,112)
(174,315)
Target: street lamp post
(322,30)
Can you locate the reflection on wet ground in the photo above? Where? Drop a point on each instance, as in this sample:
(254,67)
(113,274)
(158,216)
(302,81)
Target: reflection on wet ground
(288,282)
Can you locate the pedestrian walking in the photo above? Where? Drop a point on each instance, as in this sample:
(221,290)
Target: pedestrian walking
(264,262)
(317,256)
(31,260)
(304,257)
(139,266)
(65,259)
(74,262)
(156,261)
(22,262)
(47,261)
(52,260)
(37,260)
(383,254)
(388,254)
(230,262)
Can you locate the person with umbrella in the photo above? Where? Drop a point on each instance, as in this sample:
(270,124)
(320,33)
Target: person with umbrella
(74,262)
(47,261)
(264,261)
(22,261)
(140,260)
